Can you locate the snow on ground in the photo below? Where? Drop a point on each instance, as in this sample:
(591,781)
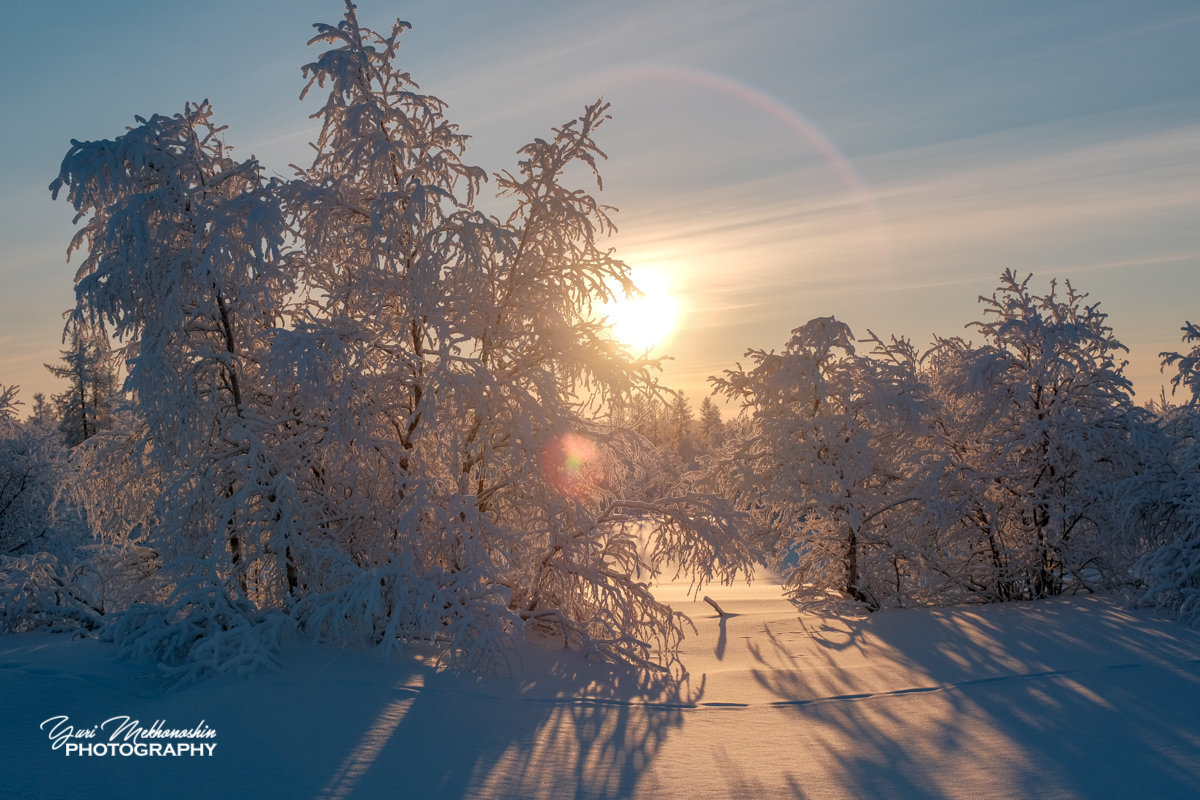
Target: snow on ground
(1071,698)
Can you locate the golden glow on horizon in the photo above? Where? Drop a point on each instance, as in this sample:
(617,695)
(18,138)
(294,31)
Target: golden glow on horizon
(644,321)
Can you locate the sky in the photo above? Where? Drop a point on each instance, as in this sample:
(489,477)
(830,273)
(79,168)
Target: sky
(772,160)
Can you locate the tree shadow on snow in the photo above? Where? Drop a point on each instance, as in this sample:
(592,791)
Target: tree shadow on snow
(1065,698)
(563,729)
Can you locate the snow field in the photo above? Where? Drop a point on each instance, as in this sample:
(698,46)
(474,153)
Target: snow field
(1071,698)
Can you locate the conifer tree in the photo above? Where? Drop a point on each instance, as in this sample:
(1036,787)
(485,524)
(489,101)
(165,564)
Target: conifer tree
(85,407)
(712,429)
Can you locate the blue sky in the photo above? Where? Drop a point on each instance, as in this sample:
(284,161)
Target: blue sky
(776,160)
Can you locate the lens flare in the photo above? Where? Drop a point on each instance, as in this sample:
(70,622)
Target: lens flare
(571,464)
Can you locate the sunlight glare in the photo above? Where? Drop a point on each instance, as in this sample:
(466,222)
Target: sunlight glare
(645,321)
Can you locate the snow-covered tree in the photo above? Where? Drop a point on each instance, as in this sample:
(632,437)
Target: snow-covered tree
(1047,423)
(42,413)
(86,406)
(1187,365)
(8,408)
(682,421)
(182,246)
(989,472)
(829,456)
(393,431)
(42,579)
(712,428)
(1163,504)
(462,349)
(33,466)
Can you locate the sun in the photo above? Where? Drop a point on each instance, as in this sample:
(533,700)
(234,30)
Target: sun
(644,322)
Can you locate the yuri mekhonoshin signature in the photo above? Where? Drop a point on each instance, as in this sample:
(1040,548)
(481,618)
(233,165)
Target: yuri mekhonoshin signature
(125,736)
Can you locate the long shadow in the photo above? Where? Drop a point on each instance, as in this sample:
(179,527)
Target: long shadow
(571,731)
(722,635)
(1071,699)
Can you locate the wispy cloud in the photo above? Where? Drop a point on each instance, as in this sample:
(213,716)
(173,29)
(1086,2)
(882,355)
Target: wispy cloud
(951,219)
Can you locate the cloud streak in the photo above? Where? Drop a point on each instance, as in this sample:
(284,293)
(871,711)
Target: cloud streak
(951,219)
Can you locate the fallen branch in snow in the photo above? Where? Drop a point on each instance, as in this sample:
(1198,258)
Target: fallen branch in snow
(713,603)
